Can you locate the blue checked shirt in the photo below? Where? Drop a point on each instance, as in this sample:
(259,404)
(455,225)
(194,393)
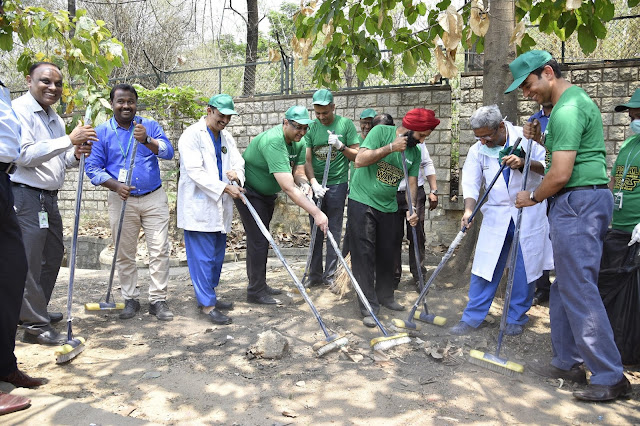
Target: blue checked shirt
(112,152)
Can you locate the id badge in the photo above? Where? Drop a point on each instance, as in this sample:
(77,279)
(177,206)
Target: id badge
(43,219)
(617,201)
(122,175)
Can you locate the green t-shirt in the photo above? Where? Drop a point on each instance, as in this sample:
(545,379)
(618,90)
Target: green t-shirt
(268,153)
(376,185)
(628,216)
(317,138)
(576,125)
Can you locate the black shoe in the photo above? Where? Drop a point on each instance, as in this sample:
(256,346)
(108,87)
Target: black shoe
(393,305)
(218,317)
(55,317)
(576,374)
(369,321)
(604,392)
(220,304)
(310,284)
(161,310)
(264,299)
(131,307)
(273,291)
(49,337)
(540,297)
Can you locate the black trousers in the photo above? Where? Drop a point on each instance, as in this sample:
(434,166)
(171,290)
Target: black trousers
(402,210)
(257,244)
(372,236)
(13,272)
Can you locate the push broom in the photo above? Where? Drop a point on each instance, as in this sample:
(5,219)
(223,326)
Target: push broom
(108,305)
(73,346)
(487,360)
(409,324)
(314,231)
(331,341)
(387,341)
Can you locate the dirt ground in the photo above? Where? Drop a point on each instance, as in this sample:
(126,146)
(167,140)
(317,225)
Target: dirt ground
(190,371)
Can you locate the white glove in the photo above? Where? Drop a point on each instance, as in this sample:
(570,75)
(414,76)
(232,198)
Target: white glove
(635,235)
(335,142)
(318,190)
(306,190)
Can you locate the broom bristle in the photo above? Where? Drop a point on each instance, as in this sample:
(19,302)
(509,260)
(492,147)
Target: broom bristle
(332,345)
(401,324)
(341,284)
(69,350)
(492,362)
(387,342)
(102,306)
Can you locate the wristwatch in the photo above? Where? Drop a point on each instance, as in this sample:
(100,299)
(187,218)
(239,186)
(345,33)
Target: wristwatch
(533,198)
(343,148)
(147,141)
(433,191)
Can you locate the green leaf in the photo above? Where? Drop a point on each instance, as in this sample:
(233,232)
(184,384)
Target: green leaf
(409,64)
(421,8)
(633,3)
(6,41)
(545,22)
(527,43)
(535,12)
(599,30)
(587,40)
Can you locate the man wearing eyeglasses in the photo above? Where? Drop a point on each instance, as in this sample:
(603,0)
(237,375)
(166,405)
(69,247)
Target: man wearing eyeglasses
(494,136)
(274,162)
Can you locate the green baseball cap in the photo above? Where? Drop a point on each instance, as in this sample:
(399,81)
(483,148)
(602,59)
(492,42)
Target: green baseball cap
(634,102)
(368,113)
(299,114)
(223,103)
(322,97)
(524,64)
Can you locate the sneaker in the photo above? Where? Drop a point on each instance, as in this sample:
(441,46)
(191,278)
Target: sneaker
(461,328)
(513,329)
(131,307)
(161,310)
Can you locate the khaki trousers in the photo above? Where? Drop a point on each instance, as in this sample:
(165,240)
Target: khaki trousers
(150,211)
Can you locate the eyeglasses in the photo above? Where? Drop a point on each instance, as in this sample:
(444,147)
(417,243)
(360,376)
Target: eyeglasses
(488,138)
(298,127)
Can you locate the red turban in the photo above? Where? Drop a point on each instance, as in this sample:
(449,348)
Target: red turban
(420,120)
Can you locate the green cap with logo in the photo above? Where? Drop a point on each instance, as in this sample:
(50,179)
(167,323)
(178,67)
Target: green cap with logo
(634,102)
(299,114)
(322,97)
(526,63)
(368,113)
(223,103)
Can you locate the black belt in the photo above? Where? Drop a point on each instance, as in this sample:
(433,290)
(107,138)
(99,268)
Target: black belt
(44,191)
(582,188)
(7,168)
(146,193)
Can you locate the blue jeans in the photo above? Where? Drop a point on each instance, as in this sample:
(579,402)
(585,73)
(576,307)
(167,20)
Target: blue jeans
(482,292)
(333,207)
(580,328)
(205,254)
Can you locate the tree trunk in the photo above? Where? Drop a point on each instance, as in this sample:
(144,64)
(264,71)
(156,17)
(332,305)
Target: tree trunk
(251,55)
(495,78)
(71,7)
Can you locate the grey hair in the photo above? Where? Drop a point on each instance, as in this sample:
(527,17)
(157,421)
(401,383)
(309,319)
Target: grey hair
(486,116)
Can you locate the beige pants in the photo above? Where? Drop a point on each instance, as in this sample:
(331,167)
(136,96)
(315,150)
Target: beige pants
(150,211)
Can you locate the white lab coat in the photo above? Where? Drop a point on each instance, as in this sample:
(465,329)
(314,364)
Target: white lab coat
(499,210)
(202,204)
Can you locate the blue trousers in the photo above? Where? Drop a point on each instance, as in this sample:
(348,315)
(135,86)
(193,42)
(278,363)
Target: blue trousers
(580,328)
(482,292)
(333,207)
(205,254)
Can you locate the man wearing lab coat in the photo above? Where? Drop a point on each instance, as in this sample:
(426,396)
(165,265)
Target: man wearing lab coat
(494,134)
(209,163)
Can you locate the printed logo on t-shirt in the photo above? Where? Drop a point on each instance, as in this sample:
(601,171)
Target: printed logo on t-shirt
(320,151)
(630,182)
(389,174)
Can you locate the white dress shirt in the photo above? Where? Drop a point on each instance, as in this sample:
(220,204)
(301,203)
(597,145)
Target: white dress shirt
(426,168)
(46,150)
(9,129)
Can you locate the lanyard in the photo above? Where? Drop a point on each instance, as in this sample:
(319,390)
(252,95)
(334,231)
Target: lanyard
(115,130)
(627,166)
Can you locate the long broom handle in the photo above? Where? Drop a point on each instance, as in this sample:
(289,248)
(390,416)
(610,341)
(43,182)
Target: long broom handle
(515,244)
(314,230)
(298,284)
(460,236)
(74,246)
(414,232)
(356,286)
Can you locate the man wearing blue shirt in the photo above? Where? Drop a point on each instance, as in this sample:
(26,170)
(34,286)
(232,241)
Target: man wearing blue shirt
(146,199)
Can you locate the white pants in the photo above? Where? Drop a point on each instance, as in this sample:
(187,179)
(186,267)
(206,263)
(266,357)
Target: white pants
(150,211)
